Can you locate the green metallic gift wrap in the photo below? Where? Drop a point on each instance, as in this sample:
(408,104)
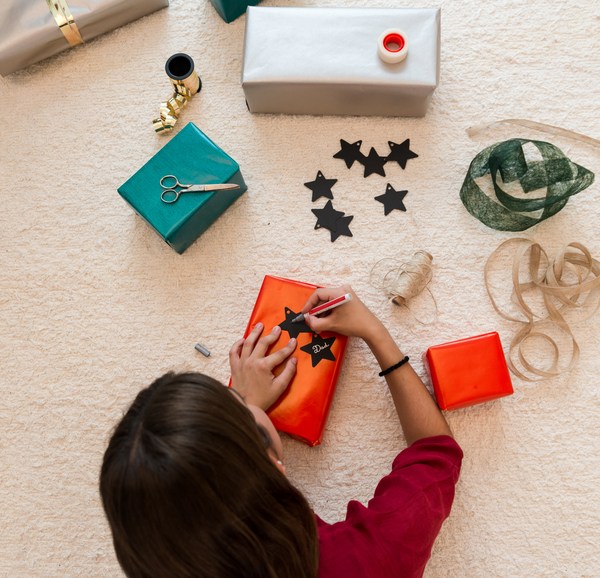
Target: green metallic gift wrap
(229,10)
(194,159)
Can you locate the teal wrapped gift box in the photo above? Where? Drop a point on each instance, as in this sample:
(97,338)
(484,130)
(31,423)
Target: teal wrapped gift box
(194,159)
(229,10)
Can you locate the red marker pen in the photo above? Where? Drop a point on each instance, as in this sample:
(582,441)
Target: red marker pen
(325,307)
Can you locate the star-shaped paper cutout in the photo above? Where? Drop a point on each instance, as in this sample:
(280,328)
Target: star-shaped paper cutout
(392,199)
(327,216)
(294,329)
(319,349)
(321,187)
(350,153)
(332,220)
(373,163)
(342,228)
(401,153)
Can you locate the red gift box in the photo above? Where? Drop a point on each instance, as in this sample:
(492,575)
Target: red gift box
(469,371)
(303,409)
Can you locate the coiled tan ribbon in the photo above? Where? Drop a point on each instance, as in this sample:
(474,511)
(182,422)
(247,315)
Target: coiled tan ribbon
(558,293)
(65,21)
(539,126)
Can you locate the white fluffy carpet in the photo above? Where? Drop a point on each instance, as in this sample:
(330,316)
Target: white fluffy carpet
(94,305)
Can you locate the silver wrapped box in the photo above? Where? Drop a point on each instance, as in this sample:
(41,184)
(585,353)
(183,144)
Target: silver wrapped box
(326,61)
(31,30)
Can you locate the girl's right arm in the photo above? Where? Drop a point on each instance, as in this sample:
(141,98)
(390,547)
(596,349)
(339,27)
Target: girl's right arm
(419,415)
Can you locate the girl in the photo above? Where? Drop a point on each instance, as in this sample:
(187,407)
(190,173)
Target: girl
(193,482)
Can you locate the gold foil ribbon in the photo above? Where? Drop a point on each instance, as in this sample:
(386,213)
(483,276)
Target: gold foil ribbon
(171,109)
(559,295)
(65,21)
(183,90)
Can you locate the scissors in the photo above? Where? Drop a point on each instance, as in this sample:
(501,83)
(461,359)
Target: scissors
(170,184)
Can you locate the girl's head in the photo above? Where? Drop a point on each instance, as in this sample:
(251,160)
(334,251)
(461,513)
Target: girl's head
(192,485)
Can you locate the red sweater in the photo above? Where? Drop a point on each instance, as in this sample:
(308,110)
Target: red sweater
(393,535)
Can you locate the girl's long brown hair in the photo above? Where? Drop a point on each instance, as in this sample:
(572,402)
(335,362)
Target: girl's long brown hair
(189,490)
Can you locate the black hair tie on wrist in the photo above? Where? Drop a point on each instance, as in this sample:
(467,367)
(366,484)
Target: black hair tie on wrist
(393,367)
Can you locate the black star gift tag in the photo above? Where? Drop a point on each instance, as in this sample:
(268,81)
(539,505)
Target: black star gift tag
(342,228)
(327,216)
(319,349)
(334,221)
(373,163)
(392,199)
(401,153)
(350,153)
(294,329)
(321,187)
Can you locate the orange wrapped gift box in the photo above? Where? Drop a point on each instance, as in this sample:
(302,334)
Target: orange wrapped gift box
(469,371)
(303,409)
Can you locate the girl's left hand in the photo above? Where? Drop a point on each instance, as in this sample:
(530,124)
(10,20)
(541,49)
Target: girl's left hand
(252,369)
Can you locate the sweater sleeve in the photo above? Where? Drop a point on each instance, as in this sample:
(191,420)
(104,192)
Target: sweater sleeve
(393,535)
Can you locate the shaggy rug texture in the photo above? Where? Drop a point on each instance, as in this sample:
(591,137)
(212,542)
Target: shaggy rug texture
(94,305)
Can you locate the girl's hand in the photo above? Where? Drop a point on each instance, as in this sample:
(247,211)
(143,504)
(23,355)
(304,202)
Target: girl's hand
(252,369)
(353,318)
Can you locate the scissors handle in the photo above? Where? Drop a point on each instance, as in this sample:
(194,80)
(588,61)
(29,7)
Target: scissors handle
(171,182)
(169,196)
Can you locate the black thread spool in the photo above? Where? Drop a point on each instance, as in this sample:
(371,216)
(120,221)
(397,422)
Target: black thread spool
(180,69)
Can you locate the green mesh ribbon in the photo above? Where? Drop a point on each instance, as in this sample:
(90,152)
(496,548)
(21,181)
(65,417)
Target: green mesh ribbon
(554,178)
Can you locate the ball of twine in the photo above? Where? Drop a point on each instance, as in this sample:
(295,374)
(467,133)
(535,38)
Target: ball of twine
(402,281)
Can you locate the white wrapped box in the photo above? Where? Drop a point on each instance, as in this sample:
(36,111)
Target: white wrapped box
(326,61)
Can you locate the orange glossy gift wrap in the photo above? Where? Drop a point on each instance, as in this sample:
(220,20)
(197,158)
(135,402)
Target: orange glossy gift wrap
(469,371)
(303,409)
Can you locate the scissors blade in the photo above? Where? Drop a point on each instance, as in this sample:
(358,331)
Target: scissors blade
(213,187)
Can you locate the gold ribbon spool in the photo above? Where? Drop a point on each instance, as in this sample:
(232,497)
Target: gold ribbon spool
(65,21)
(186,83)
(188,86)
